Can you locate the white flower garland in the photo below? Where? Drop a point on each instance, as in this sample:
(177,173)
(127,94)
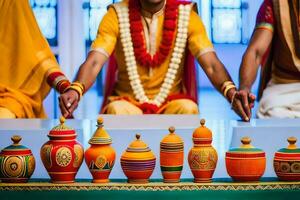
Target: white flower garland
(177,54)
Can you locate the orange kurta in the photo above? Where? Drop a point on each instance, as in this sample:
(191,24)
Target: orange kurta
(108,40)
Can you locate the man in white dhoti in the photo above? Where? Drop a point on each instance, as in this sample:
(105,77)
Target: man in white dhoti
(280,101)
(276,45)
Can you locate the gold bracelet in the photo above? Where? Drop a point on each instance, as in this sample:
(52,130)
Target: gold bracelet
(81,85)
(76,88)
(225,84)
(227,89)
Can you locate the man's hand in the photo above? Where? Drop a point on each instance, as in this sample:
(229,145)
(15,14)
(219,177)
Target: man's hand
(242,103)
(68,102)
(87,74)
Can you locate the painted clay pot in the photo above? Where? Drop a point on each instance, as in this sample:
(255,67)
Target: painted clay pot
(202,157)
(138,162)
(16,162)
(245,163)
(287,162)
(100,157)
(171,157)
(62,155)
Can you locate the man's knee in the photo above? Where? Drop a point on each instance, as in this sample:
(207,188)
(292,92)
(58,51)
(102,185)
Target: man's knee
(122,107)
(188,106)
(6,113)
(182,106)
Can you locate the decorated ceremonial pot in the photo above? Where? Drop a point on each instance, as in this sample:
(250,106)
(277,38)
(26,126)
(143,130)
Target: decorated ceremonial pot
(171,157)
(100,157)
(245,163)
(62,155)
(138,161)
(16,162)
(202,157)
(287,162)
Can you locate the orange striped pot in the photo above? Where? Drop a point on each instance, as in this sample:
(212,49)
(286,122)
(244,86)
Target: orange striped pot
(100,157)
(202,157)
(171,157)
(138,162)
(245,163)
(287,162)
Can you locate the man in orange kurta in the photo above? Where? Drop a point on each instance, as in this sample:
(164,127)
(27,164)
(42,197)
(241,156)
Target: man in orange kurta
(152,86)
(152,79)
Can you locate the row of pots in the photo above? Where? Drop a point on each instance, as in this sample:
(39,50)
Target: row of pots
(62,156)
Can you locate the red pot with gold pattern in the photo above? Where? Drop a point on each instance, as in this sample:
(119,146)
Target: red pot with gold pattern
(62,155)
(16,162)
(138,161)
(287,162)
(171,157)
(202,157)
(245,163)
(100,157)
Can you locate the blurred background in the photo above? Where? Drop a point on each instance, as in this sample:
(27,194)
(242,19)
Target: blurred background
(71,25)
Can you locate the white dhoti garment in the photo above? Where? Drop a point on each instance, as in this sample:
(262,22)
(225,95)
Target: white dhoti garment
(280,101)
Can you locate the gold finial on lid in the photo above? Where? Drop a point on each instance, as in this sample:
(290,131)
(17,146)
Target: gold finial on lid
(292,143)
(61,126)
(62,120)
(16,139)
(246,140)
(202,122)
(292,140)
(138,136)
(172,129)
(100,121)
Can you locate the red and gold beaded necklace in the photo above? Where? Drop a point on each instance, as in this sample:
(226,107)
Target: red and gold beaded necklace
(136,29)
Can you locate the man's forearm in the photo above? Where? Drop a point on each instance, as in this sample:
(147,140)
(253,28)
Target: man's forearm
(248,70)
(252,58)
(216,72)
(90,69)
(219,77)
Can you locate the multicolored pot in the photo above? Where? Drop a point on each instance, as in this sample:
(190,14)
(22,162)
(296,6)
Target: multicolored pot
(245,163)
(203,157)
(100,157)
(171,157)
(16,162)
(287,162)
(62,155)
(138,162)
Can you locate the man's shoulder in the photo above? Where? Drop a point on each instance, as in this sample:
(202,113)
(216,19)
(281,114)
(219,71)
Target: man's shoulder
(115,7)
(123,3)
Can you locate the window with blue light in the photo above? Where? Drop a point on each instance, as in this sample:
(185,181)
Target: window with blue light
(227,21)
(94,10)
(45,12)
